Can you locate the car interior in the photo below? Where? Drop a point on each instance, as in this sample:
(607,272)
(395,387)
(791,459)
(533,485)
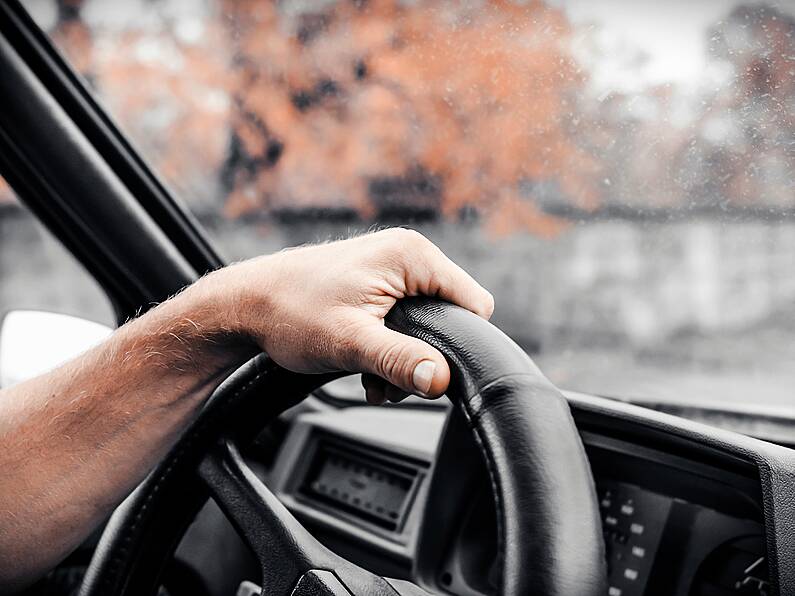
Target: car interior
(290,484)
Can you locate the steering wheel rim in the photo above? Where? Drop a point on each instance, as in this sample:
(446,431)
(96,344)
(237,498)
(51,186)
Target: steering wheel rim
(548,526)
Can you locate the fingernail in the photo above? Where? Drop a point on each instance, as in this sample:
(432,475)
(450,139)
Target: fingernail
(423,376)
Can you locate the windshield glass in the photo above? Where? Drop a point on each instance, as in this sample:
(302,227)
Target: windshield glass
(619,174)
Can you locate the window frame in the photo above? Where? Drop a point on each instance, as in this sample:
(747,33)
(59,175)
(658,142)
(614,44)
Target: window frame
(170,249)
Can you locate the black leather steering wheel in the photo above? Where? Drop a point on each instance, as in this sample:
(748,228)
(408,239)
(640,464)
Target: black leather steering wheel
(548,526)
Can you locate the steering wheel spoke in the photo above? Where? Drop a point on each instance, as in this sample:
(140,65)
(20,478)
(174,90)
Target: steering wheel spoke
(293,562)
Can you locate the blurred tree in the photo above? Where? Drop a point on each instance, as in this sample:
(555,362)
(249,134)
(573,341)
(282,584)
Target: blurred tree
(375,108)
(748,129)
(388,106)
(734,150)
(356,108)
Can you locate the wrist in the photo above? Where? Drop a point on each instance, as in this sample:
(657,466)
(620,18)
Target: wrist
(204,329)
(237,301)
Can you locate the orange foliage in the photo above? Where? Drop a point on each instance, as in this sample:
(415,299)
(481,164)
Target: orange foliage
(255,106)
(475,96)
(322,104)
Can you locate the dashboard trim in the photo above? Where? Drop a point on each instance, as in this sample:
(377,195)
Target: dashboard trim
(775,466)
(766,471)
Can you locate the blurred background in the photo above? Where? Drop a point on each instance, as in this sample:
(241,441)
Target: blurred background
(619,174)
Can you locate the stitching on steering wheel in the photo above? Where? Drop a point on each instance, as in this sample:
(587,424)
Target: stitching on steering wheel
(473,418)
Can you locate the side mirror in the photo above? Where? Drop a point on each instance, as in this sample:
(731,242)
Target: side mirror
(33,342)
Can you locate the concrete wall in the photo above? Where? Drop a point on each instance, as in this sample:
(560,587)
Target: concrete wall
(613,280)
(650,310)
(606,279)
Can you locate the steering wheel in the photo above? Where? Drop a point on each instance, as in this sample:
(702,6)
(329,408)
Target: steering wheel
(548,527)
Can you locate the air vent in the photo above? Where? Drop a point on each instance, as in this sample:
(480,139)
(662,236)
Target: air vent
(373,488)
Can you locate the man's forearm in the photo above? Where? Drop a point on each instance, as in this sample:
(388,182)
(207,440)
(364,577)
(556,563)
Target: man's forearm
(75,441)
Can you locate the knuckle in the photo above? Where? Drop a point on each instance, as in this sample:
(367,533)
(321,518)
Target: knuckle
(389,361)
(392,362)
(407,236)
(417,239)
(407,247)
(392,252)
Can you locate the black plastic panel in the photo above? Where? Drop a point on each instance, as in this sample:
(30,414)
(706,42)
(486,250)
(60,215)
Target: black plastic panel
(356,483)
(633,521)
(378,490)
(664,518)
(731,506)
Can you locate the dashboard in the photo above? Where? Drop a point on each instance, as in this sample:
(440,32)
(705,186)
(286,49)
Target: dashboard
(680,516)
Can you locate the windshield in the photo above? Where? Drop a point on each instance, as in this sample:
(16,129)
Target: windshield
(619,174)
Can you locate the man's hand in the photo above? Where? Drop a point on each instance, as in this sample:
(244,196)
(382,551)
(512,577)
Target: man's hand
(322,308)
(76,441)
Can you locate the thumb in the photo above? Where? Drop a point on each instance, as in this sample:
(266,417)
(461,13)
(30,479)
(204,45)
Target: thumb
(404,361)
